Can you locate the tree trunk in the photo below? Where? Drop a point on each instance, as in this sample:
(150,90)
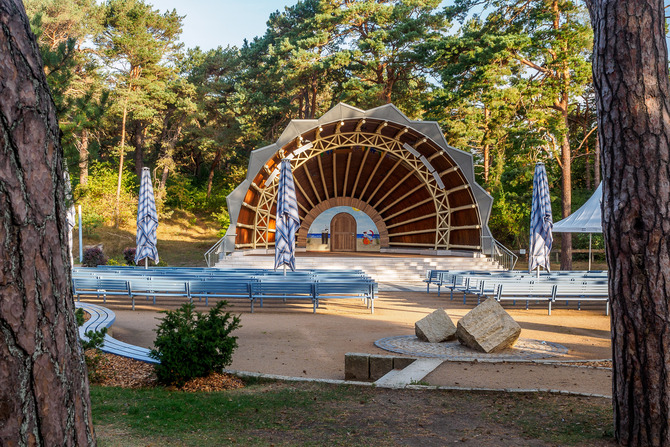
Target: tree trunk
(215,163)
(596,161)
(487,147)
(566,196)
(44,398)
(138,144)
(633,100)
(83,157)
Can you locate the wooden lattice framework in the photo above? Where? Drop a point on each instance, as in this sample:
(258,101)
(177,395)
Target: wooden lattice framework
(418,194)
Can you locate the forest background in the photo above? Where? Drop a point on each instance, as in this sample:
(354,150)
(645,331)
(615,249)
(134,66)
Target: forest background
(508,81)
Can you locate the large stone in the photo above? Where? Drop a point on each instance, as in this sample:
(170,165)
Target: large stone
(488,328)
(435,328)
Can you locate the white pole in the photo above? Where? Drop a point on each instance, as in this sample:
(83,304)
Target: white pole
(284,269)
(81,244)
(590,234)
(146,262)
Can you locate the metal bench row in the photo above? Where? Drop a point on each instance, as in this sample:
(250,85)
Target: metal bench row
(564,286)
(252,289)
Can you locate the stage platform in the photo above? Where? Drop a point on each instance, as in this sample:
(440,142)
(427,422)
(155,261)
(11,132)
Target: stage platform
(383,267)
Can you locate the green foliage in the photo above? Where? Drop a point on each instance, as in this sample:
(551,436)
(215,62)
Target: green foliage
(99,195)
(79,316)
(95,339)
(191,344)
(112,261)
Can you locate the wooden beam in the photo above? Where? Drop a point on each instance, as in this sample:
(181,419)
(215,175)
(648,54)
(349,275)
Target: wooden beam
(246,205)
(457,188)
(323,178)
(388,174)
(423,202)
(449,171)
(434,156)
(462,208)
(334,175)
(409,174)
(359,125)
(400,133)
(407,233)
(318,132)
(372,174)
(409,193)
(360,169)
(416,219)
(465,227)
(295,180)
(346,175)
(466,247)
(311,182)
(381,126)
(337,127)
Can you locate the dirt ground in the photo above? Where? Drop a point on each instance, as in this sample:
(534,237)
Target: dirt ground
(288,339)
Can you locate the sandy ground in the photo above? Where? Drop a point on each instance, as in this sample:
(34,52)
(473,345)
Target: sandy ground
(288,339)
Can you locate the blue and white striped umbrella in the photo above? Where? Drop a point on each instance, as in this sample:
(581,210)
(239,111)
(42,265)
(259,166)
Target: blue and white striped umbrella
(287,219)
(147,220)
(541,221)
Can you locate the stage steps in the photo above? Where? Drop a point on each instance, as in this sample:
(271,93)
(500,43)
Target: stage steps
(382,269)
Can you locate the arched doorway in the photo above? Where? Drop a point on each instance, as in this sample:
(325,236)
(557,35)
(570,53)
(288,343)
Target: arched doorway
(343,232)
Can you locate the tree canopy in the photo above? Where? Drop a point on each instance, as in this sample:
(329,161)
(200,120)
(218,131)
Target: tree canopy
(507,80)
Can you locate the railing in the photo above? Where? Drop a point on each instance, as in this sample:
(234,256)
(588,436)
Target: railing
(214,251)
(499,253)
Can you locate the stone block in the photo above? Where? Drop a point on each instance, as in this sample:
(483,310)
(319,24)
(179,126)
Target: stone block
(488,328)
(402,362)
(356,366)
(435,327)
(380,365)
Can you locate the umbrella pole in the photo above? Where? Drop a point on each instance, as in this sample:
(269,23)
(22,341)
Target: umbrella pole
(146,263)
(284,269)
(590,235)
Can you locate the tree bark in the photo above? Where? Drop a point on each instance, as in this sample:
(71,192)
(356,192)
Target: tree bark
(596,161)
(83,157)
(44,398)
(630,73)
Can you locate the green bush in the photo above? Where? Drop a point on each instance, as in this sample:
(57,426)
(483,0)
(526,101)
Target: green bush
(192,344)
(93,257)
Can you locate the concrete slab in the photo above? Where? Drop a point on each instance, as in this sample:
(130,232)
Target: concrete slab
(412,374)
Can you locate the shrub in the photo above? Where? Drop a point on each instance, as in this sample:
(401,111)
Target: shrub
(192,344)
(112,261)
(129,255)
(93,257)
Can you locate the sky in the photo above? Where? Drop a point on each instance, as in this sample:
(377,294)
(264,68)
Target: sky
(212,23)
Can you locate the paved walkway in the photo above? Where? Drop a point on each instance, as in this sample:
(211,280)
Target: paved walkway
(287,340)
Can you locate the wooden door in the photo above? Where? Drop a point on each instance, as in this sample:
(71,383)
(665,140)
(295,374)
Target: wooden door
(343,232)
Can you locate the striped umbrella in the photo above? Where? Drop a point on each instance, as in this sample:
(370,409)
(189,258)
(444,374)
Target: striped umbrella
(540,222)
(147,221)
(287,219)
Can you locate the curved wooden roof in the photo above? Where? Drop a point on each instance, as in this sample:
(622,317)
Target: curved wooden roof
(400,172)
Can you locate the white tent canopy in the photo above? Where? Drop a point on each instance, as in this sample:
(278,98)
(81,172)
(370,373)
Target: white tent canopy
(587,219)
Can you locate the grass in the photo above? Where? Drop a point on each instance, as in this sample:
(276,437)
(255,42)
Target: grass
(307,414)
(183,239)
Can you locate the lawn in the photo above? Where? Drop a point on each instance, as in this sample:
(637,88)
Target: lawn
(308,414)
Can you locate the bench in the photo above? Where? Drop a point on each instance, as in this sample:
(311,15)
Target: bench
(527,290)
(104,318)
(277,288)
(584,291)
(157,287)
(362,289)
(218,288)
(99,287)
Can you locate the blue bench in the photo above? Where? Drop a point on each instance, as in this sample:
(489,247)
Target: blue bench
(219,288)
(99,287)
(104,318)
